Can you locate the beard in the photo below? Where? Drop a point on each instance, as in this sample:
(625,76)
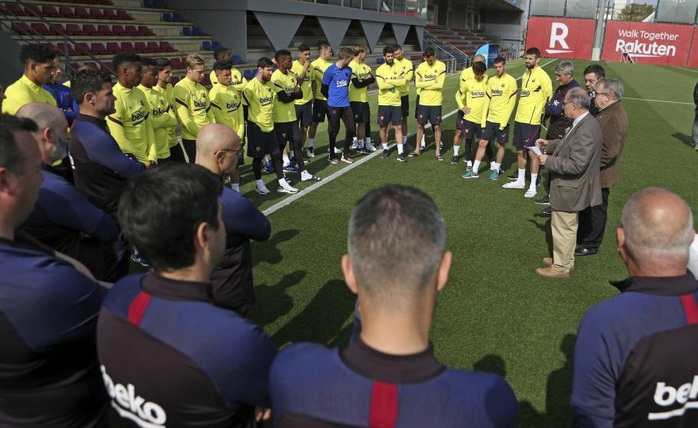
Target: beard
(59,150)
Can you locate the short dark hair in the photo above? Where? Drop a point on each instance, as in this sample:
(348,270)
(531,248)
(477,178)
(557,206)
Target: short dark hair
(148,62)
(161,208)
(597,70)
(10,155)
(219,52)
(533,51)
(85,81)
(36,52)
(479,67)
(429,52)
(222,65)
(397,47)
(162,63)
(264,62)
(303,47)
(281,53)
(500,60)
(124,57)
(388,49)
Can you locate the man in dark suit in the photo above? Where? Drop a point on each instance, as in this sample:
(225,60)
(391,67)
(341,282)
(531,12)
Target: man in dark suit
(573,163)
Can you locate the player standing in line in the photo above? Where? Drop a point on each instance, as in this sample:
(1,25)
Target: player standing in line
(472,103)
(130,124)
(287,91)
(258,95)
(304,107)
(361,79)
(39,66)
(162,116)
(429,79)
(536,91)
(465,76)
(167,90)
(193,105)
(335,86)
(501,91)
(226,105)
(237,80)
(319,101)
(407,69)
(389,78)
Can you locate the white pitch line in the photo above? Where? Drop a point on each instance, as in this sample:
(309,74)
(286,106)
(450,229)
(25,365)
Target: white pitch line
(658,101)
(272,209)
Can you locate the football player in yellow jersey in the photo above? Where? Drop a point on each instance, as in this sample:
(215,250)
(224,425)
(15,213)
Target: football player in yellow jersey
(389,78)
(319,67)
(193,105)
(465,75)
(472,102)
(501,91)
(361,78)
(130,124)
(167,90)
(536,91)
(408,69)
(429,79)
(237,80)
(162,116)
(39,66)
(304,107)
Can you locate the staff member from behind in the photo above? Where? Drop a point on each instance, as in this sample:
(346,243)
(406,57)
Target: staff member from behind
(429,79)
(635,363)
(387,373)
(218,148)
(614,124)
(335,87)
(48,310)
(389,78)
(39,66)
(575,181)
(184,360)
(193,106)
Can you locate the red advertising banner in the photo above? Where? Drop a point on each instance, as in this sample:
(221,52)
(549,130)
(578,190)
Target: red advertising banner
(693,59)
(561,37)
(647,42)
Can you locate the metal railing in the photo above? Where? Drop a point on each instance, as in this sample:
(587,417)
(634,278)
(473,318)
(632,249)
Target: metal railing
(460,57)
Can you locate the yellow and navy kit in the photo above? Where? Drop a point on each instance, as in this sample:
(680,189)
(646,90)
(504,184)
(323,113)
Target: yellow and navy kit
(430,79)
(24,92)
(319,67)
(536,91)
(193,107)
(501,92)
(473,94)
(389,80)
(162,118)
(305,83)
(360,72)
(168,93)
(405,66)
(259,97)
(283,112)
(226,105)
(130,125)
(237,80)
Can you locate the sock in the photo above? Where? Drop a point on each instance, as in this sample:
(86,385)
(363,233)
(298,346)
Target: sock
(496,166)
(368,140)
(476,166)
(310,142)
(424,140)
(492,165)
(456,149)
(286,160)
(404,140)
(399,148)
(236,187)
(385,146)
(360,143)
(534,181)
(522,175)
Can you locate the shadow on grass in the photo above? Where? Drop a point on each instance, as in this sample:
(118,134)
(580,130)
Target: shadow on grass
(268,251)
(273,301)
(322,319)
(686,139)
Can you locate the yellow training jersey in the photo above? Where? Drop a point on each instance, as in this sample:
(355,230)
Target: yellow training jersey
(389,79)
(238,81)
(283,112)
(536,90)
(466,75)
(259,97)
(305,82)
(405,67)
(473,94)
(162,118)
(502,94)
(193,107)
(130,124)
(226,105)
(360,72)
(430,79)
(319,67)
(168,93)
(24,92)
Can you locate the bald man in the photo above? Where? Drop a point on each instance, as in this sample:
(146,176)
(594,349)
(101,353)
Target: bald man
(63,219)
(218,149)
(635,358)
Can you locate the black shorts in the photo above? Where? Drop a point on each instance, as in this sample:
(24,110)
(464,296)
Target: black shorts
(525,135)
(304,114)
(389,115)
(260,143)
(284,133)
(319,110)
(493,133)
(362,111)
(467,128)
(405,104)
(430,114)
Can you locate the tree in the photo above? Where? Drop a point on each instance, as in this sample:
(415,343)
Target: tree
(635,12)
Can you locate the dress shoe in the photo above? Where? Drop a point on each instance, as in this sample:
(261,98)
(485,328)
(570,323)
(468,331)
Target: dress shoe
(550,272)
(548,261)
(585,251)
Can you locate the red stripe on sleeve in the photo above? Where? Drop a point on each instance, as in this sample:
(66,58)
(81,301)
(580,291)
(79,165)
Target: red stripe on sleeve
(383,405)
(137,308)
(690,308)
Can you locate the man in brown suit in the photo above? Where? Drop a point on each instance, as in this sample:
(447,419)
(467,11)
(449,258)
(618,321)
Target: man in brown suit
(573,163)
(614,124)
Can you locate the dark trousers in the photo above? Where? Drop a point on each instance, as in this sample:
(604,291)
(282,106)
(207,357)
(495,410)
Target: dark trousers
(592,223)
(346,115)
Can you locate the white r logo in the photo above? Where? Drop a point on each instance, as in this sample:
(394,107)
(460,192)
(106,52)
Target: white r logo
(558,34)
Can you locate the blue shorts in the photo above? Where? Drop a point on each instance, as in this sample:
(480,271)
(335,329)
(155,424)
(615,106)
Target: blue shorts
(467,128)
(525,135)
(493,133)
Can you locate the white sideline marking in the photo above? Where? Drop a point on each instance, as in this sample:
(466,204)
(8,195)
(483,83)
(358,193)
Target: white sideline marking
(658,101)
(288,201)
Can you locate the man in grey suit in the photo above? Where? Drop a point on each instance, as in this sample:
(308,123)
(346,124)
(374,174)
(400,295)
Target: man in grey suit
(573,163)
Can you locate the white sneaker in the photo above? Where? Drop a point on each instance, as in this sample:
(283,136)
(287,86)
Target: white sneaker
(261,189)
(337,151)
(514,185)
(306,176)
(284,187)
(369,146)
(355,144)
(530,193)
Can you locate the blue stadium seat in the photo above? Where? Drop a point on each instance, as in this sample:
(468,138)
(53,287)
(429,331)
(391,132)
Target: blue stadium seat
(380,61)
(206,45)
(249,74)
(237,60)
(187,31)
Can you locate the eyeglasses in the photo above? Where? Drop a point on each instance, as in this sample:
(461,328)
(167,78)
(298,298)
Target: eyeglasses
(567,102)
(238,152)
(603,93)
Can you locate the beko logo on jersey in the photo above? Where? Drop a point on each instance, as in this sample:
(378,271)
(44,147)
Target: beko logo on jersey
(428,77)
(265,100)
(497,92)
(477,94)
(137,116)
(200,104)
(666,395)
(341,83)
(145,414)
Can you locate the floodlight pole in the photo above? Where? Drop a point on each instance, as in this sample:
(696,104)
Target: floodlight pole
(598,39)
